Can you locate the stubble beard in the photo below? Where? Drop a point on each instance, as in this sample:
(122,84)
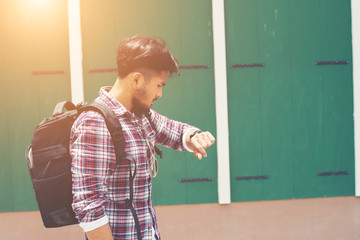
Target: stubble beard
(140,108)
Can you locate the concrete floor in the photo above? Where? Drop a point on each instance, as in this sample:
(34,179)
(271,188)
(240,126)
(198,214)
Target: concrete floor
(335,218)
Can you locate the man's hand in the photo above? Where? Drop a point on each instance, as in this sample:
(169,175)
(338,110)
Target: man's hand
(199,142)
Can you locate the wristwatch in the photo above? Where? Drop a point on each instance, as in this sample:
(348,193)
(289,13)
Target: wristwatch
(194,133)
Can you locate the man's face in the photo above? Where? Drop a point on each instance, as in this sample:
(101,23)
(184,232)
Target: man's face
(149,92)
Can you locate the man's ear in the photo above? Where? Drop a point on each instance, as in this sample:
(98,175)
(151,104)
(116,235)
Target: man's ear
(137,79)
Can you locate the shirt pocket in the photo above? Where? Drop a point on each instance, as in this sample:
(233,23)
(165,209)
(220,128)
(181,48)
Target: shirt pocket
(150,135)
(148,132)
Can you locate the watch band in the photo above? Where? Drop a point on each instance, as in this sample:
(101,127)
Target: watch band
(194,133)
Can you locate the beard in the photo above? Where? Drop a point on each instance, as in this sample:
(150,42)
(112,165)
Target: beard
(140,108)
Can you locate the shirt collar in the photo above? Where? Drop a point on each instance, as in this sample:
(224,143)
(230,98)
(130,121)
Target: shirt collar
(119,109)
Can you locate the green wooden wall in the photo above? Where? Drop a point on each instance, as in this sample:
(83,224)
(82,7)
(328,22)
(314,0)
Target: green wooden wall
(289,119)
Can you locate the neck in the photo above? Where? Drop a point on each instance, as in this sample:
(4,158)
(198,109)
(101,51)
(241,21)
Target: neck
(119,92)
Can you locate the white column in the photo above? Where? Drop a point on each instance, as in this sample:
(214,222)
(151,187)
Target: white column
(355,15)
(75,45)
(222,126)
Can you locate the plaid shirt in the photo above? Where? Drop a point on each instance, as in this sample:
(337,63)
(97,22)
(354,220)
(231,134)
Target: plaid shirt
(99,186)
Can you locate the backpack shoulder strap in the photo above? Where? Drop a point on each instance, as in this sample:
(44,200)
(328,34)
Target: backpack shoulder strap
(113,125)
(115,129)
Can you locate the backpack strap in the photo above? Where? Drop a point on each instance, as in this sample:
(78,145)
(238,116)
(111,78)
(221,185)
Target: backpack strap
(114,127)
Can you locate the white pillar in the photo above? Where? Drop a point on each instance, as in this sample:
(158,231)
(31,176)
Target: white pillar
(75,45)
(355,15)
(222,126)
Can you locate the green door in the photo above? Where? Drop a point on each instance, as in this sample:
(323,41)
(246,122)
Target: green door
(290,119)
(186,28)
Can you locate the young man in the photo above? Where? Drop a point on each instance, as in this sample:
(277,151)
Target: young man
(100,188)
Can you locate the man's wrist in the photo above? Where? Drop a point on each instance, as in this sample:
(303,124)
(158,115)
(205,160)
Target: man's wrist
(89,226)
(186,138)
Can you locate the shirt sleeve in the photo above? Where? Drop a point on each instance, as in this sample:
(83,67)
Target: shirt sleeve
(92,157)
(170,133)
(184,139)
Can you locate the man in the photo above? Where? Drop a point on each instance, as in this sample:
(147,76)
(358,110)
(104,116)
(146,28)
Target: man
(100,188)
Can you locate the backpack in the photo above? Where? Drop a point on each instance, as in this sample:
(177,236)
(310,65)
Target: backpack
(49,160)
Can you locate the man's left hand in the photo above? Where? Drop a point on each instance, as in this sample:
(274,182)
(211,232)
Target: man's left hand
(199,142)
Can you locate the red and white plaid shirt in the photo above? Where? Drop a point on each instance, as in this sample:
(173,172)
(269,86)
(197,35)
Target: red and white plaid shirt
(99,186)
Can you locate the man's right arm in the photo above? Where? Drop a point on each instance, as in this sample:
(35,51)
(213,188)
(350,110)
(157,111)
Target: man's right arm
(92,153)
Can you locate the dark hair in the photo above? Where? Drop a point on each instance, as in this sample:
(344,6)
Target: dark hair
(139,52)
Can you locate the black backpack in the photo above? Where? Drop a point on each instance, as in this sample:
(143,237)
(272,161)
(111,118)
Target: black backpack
(49,160)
